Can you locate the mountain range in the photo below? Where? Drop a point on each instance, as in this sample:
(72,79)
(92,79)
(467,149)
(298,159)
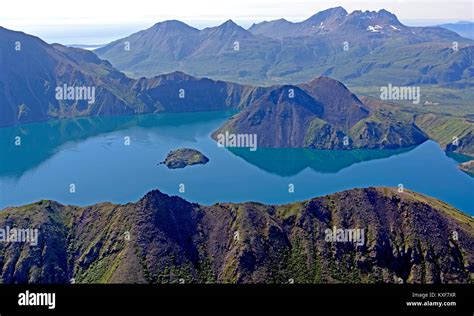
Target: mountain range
(32,74)
(358,48)
(316,117)
(463,28)
(407,238)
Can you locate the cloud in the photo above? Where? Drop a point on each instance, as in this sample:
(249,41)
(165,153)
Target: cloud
(123,11)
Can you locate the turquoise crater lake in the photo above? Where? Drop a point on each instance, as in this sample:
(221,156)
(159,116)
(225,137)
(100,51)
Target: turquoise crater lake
(91,154)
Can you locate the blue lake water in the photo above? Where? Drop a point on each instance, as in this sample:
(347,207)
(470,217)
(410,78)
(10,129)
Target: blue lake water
(91,154)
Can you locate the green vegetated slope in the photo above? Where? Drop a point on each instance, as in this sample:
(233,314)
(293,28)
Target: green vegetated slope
(454,134)
(437,99)
(408,237)
(360,48)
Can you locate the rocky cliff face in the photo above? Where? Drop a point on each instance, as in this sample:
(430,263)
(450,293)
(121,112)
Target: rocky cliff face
(161,239)
(468,167)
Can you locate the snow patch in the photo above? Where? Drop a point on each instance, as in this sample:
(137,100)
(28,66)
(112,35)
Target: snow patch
(374,29)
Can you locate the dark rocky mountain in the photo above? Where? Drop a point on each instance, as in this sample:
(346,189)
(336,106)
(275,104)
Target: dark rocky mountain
(179,92)
(337,99)
(379,49)
(408,238)
(322,114)
(334,20)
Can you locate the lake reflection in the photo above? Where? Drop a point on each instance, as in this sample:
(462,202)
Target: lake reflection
(91,153)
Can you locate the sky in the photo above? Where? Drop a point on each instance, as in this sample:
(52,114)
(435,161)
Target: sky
(79,20)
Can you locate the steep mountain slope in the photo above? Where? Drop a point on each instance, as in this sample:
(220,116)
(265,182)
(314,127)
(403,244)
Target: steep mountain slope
(179,92)
(160,239)
(361,48)
(468,167)
(31,75)
(322,114)
(337,99)
(226,51)
(453,134)
(173,39)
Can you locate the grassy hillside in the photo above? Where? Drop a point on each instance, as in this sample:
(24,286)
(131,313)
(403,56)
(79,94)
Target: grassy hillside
(434,99)
(446,129)
(408,237)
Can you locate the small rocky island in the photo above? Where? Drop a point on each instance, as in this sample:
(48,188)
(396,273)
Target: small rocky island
(467,167)
(183,157)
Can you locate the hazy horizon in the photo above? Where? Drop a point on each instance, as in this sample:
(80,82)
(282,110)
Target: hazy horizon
(99,34)
(102,25)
